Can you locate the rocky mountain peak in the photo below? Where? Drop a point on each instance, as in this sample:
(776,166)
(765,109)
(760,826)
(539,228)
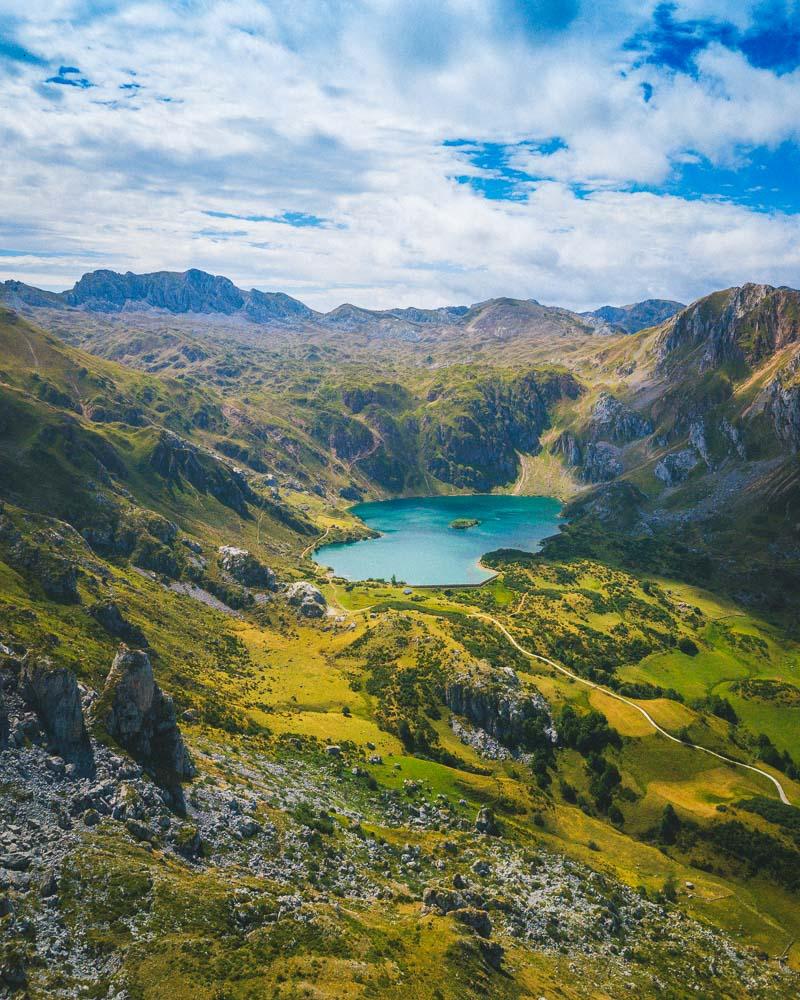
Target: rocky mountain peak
(739,325)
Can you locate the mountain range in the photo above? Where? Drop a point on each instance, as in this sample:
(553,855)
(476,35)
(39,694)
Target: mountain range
(226,772)
(195,291)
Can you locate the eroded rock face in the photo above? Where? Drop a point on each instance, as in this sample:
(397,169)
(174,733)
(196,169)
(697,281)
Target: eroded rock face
(739,324)
(54,695)
(308,599)
(783,404)
(486,823)
(567,445)
(497,703)
(245,568)
(141,718)
(601,462)
(675,468)
(178,460)
(615,421)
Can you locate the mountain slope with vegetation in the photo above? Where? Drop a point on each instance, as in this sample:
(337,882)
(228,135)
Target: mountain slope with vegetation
(227,773)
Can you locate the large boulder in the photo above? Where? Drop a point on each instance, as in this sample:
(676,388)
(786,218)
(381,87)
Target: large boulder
(54,695)
(245,568)
(308,599)
(475,918)
(137,714)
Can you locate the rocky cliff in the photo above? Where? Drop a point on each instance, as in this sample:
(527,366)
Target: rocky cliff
(497,703)
(739,326)
(470,433)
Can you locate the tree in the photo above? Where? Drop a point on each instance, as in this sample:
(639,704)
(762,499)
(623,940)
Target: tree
(670,825)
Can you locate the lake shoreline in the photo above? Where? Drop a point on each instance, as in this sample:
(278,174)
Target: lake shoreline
(418,546)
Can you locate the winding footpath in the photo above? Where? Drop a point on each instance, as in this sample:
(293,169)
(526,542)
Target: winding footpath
(604,690)
(632,704)
(316,543)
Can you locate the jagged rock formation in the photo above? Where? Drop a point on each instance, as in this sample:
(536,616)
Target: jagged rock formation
(54,695)
(497,703)
(601,462)
(190,291)
(245,568)
(307,598)
(738,325)
(486,822)
(56,574)
(675,468)
(567,444)
(782,398)
(598,451)
(136,713)
(471,433)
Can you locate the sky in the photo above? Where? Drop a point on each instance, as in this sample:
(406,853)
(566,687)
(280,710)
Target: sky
(405,152)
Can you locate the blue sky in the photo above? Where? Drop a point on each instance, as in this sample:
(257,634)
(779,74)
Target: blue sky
(399,152)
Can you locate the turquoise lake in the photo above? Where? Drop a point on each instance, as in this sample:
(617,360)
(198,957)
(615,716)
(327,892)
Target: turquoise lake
(418,546)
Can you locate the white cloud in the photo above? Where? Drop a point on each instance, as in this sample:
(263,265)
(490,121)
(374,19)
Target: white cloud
(339,110)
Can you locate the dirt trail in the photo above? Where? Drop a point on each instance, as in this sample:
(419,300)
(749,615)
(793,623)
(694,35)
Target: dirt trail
(607,691)
(632,704)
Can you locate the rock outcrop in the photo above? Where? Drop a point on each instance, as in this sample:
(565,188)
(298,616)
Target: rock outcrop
(178,460)
(136,713)
(54,695)
(471,435)
(615,421)
(602,462)
(676,468)
(497,703)
(782,397)
(567,444)
(744,324)
(245,568)
(307,598)
(486,823)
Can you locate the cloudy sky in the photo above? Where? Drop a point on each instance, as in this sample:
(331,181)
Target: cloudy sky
(398,152)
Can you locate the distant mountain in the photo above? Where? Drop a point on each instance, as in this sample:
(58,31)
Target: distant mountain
(197,292)
(637,316)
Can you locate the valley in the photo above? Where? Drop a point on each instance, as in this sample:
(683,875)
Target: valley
(580,778)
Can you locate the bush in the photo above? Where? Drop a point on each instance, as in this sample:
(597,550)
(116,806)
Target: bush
(688,646)
(589,733)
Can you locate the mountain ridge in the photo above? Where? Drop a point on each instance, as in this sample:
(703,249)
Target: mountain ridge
(197,291)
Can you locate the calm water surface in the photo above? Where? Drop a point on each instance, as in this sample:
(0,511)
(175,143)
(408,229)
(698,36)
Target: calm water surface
(418,546)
